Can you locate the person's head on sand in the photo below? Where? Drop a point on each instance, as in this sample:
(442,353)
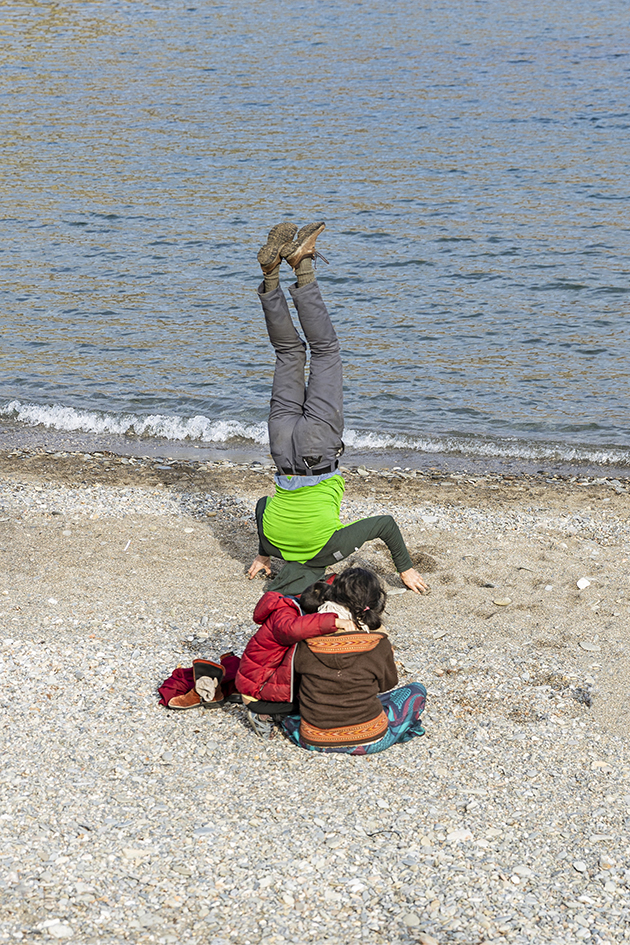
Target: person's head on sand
(357,589)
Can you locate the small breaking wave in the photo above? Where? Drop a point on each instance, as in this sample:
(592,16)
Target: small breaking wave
(490,447)
(203,430)
(199,428)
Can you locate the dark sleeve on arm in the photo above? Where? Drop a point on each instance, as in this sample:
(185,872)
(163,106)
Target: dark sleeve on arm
(396,544)
(348,539)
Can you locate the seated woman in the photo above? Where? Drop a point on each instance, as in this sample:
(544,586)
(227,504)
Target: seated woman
(348,703)
(300,522)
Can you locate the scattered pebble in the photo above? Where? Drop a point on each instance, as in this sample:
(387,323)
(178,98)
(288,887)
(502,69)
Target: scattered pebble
(425,939)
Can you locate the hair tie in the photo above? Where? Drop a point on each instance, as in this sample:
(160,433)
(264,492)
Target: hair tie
(365,608)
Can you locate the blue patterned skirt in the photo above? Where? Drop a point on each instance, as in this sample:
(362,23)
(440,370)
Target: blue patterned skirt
(403,708)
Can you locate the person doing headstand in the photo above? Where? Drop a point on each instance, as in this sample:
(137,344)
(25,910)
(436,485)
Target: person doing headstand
(300,522)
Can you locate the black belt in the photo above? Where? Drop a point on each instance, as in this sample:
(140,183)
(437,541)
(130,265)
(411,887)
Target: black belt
(319,471)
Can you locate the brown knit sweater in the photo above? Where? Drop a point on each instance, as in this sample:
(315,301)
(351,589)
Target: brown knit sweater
(340,676)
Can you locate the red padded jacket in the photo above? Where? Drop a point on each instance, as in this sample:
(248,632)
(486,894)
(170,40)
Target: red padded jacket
(266,669)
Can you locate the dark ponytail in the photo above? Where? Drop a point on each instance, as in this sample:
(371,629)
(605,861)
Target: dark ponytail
(360,591)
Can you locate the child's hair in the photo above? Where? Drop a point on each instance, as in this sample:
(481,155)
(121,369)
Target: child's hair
(357,589)
(313,597)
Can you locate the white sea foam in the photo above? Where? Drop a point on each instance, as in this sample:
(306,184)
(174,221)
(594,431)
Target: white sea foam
(172,427)
(204,430)
(506,448)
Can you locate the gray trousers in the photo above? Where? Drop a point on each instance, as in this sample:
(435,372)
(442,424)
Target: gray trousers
(305,422)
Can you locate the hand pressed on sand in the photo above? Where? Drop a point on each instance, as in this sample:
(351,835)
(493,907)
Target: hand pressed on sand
(260,563)
(414,581)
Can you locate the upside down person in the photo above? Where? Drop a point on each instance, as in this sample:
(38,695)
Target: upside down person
(300,522)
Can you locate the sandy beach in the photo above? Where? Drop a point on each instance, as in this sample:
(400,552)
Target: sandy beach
(121,821)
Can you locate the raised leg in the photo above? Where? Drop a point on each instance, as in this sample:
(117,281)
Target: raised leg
(317,436)
(288,391)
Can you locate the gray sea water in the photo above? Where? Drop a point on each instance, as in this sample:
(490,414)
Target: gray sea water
(470,159)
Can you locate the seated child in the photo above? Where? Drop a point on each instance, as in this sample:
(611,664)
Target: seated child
(265,673)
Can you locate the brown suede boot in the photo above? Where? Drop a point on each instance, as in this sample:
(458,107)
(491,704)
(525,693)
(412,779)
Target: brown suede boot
(190,700)
(208,676)
(303,246)
(269,256)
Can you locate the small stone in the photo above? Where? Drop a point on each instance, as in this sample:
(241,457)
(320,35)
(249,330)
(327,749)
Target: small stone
(173,902)
(502,601)
(362,471)
(590,647)
(609,886)
(423,938)
(602,766)
(548,587)
(459,836)
(136,853)
(411,920)
(515,879)
(523,871)
(52,600)
(583,583)
(66,533)
(188,531)
(394,591)
(288,899)
(167,756)
(429,519)
(59,930)
(606,862)
(211,514)
(579,866)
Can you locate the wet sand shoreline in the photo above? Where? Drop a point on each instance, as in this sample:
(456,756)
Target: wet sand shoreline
(34,439)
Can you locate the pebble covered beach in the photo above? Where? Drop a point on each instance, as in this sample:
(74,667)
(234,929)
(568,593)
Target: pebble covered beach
(121,821)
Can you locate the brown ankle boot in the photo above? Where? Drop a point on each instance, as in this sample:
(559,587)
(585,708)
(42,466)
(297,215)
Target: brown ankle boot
(269,256)
(303,246)
(190,700)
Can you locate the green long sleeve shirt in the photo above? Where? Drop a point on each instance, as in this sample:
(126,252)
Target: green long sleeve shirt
(300,521)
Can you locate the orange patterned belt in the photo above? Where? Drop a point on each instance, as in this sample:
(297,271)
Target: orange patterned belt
(360,734)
